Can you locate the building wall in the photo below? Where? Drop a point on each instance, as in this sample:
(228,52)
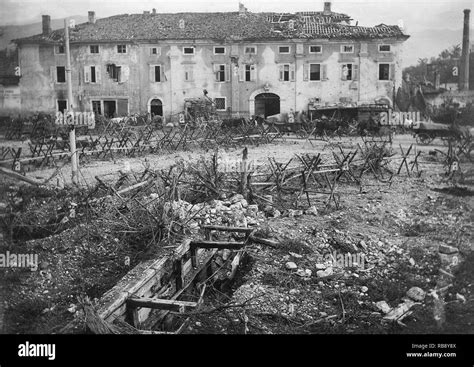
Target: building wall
(39,92)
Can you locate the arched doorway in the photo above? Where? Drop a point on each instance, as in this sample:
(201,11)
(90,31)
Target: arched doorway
(267,104)
(156,107)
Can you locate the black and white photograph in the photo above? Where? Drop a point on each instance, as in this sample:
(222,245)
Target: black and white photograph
(213,168)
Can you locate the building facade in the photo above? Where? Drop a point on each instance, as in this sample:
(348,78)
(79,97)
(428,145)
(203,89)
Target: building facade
(249,63)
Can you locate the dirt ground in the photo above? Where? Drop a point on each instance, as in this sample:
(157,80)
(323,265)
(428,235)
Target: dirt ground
(398,227)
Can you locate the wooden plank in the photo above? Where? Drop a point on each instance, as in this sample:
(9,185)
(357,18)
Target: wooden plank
(160,304)
(228,229)
(218,244)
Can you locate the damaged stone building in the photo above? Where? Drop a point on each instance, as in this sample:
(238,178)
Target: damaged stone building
(249,63)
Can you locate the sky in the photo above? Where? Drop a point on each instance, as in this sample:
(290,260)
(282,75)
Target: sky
(416,14)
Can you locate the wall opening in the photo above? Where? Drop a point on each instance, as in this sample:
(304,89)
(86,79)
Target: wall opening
(267,104)
(110,107)
(156,107)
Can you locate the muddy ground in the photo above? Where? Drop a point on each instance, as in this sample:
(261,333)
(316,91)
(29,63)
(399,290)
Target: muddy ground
(398,227)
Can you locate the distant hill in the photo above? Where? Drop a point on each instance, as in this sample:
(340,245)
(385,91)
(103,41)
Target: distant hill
(9,32)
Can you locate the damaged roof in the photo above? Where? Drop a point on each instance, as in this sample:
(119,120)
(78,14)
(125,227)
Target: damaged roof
(219,26)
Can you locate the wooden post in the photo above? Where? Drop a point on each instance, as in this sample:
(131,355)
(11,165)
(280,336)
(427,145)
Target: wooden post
(72,132)
(244,187)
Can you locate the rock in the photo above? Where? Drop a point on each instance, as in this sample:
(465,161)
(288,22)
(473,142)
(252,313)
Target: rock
(72,308)
(416,294)
(294,213)
(301,273)
(411,261)
(364,289)
(295,255)
(236,198)
(320,266)
(311,211)
(276,213)
(363,244)
(236,207)
(169,124)
(294,291)
(43,265)
(308,272)
(244,203)
(325,273)
(252,210)
(291,265)
(448,250)
(323,314)
(383,306)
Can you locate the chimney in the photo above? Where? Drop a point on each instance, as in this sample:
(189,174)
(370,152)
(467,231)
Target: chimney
(464,67)
(91,15)
(153,11)
(327,7)
(46,25)
(242,9)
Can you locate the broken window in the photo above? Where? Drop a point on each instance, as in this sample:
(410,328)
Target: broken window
(347,49)
(384,71)
(114,72)
(60,74)
(384,48)
(94,49)
(347,72)
(96,107)
(188,50)
(220,103)
(59,49)
(315,72)
(62,105)
(316,49)
(122,49)
(219,50)
(284,49)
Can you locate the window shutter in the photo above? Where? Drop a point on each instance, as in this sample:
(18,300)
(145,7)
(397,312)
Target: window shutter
(253,73)
(87,71)
(227,72)
(152,73)
(392,71)
(124,73)
(241,72)
(97,74)
(324,72)
(355,72)
(52,70)
(292,72)
(343,77)
(282,72)
(306,72)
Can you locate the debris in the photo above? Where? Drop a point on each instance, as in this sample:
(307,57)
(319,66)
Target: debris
(291,265)
(412,261)
(401,311)
(298,256)
(325,273)
(364,289)
(448,250)
(461,298)
(320,266)
(72,308)
(383,306)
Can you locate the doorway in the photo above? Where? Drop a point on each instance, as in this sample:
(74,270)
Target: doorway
(267,104)
(156,107)
(110,107)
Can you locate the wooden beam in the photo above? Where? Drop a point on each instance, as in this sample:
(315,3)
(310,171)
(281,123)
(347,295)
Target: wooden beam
(228,229)
(263,241)
(160,304)
(20,177)
(218,245)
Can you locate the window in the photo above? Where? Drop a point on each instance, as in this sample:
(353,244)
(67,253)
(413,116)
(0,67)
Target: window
(189,74)
(94,49)
(62,105)
(60,74)
(384,71)
(287,72)
(220,73)
(347,49)
(284,49)
(250,50)
(59,49)
(155,73)
(96,107)
(155,51)
(315,49)
(314,71)
(92,74)
(384,48)
(114,72)
(250,73)
(122,49)
(219,50)
(347,72)
(220,103)
(188,50)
